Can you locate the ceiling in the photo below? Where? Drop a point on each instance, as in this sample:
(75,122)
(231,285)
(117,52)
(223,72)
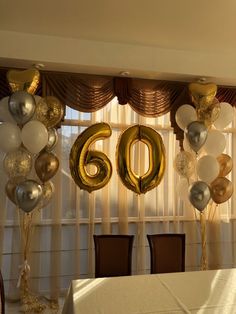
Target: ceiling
(169,39)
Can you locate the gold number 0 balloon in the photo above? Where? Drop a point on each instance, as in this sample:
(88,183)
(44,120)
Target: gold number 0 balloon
(81,156)
(140,184)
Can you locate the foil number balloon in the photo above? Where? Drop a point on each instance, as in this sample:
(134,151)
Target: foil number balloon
(141,184)
(81,156)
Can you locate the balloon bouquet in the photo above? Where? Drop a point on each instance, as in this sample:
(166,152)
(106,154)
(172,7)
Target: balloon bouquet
(27,137)
(203,173)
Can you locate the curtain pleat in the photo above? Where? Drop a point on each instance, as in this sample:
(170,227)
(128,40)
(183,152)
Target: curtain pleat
(81,92)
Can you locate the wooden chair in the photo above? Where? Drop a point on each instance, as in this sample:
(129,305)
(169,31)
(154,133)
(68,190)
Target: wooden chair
(2,295)
(167,252)
(113,255)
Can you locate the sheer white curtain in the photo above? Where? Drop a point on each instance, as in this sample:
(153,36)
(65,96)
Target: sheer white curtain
(62,243)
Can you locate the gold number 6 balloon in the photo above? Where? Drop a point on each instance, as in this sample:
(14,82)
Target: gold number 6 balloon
(81,156)
(148,181)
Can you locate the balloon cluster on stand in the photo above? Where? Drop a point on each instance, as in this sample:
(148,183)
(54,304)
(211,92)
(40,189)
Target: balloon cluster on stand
(202,164)
(27,137)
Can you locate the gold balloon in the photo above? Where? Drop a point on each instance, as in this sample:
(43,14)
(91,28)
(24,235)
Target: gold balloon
(47,193)
(49,111)
(46,165)
(26,80)
(18,163)
(202,94)
(10,188)
(81,156)
(221,190)
(209,114)
(226,164)
(153,176)
(184,164)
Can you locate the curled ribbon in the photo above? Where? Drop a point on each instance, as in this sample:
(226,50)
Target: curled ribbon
(24,271)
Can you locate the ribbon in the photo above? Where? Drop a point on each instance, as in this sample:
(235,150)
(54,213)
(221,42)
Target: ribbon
(24,272)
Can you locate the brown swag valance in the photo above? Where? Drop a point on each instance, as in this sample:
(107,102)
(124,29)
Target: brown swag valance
(89,93)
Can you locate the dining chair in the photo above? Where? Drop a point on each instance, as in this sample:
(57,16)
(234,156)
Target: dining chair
(113,255)
(2,295)
(167,252)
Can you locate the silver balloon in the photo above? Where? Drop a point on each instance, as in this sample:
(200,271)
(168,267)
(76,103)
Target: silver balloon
(196,133)
(199,195)
(52,139)
(21,106)
(28,195)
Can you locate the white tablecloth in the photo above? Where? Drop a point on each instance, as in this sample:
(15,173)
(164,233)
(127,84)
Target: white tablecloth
(211,291)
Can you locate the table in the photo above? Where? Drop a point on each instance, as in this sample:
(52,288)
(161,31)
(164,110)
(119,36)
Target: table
(212,291)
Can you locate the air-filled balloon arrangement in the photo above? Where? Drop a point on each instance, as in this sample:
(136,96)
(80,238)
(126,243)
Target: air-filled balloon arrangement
(202,164)
(27,137)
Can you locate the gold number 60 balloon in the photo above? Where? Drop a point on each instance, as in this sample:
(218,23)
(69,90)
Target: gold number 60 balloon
(81,156)
(140,184)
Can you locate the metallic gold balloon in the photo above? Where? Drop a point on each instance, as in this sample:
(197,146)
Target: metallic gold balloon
(52,139)
(184,164)
(46,165)
(49,111)
(157,159)
(17,163)
(196,133)
(10,188)
(26,80)
(199,195)
(226,164)
(28,194)
(81,156)
(209,114)
(221,190)
(146,182)
(21,106)
(202,94)
(47,193)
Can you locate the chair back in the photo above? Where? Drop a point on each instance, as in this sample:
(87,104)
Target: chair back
(2,295)
(113,255)
(167,252)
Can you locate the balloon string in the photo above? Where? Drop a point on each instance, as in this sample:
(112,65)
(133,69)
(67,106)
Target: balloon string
(214,212)
(209,210)
(203,238)
(25,232)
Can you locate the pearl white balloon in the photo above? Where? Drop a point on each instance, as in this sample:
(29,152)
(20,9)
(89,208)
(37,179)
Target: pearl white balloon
(215,143)
(5,114)
(10,138)
(226,116)
(34,136)
(185,115)
(208,168)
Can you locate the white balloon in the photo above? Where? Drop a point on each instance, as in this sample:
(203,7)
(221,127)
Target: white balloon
(5,114)
(208,168)
(10,138)
(34,136)
(215,143)
(185,115)
(225,117)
